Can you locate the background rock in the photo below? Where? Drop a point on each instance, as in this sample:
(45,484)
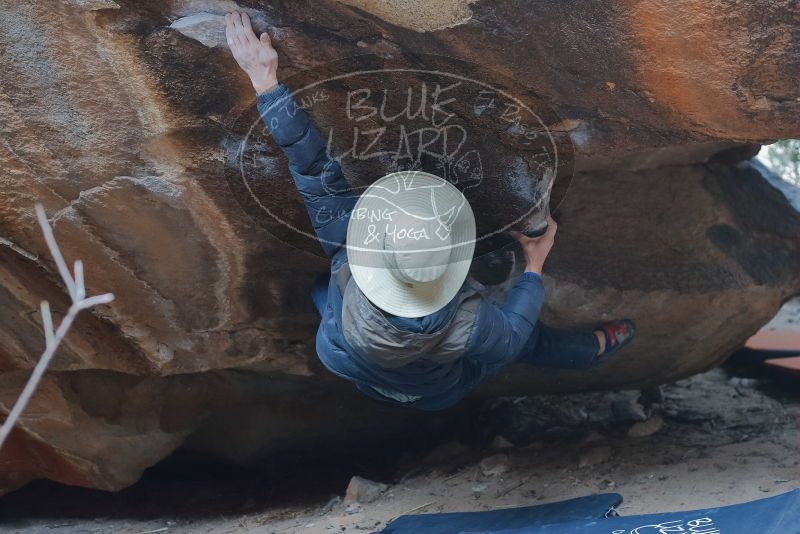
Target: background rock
(122,127)
(647,428)
(362,490)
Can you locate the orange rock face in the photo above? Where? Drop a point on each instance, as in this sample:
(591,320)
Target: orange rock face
(123,118)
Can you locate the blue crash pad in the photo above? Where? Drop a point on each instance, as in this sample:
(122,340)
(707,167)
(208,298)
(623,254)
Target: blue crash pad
(582,508)
(774,515)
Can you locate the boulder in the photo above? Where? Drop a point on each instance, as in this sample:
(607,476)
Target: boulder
(123,118)
(363,491)
(494,465)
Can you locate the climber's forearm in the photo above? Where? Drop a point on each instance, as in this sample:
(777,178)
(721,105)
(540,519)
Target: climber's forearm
(318,177)
(536,249)
(315,171)
(526,297)
(501,332)
(288,124)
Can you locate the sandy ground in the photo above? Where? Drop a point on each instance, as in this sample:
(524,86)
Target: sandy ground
(718,440)
(720,445)
(788,318)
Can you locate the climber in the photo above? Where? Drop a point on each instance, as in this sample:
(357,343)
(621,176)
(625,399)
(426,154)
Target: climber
(400,317)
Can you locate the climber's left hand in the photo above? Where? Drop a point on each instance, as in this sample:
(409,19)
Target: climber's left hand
(254,54)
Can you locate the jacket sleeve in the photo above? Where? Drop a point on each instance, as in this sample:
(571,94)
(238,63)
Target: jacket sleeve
(501,332)
(318,177)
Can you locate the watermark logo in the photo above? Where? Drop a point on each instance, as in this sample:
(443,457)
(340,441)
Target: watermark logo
(484,133)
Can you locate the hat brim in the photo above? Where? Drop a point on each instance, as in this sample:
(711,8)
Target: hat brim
(366,256)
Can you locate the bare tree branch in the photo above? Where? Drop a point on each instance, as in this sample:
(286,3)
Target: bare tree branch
(77,292)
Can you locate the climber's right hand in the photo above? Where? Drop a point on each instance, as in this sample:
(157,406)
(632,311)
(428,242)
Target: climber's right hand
(253,54)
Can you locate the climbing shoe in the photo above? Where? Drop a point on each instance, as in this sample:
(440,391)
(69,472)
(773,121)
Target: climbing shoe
(617,334)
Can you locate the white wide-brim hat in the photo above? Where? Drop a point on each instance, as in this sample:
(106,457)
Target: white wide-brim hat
(410,241)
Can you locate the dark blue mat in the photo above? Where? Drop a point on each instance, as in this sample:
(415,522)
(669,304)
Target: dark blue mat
(774,515)
(583,508)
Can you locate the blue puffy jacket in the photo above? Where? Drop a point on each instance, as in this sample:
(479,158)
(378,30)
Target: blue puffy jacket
(494,336)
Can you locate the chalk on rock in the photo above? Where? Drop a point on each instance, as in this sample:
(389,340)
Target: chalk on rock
(363,490)
(204,27)
(93,5)
(646,428)
(209,28)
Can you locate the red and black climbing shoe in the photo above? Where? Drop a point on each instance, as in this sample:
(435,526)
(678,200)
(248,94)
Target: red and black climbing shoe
(617,334)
